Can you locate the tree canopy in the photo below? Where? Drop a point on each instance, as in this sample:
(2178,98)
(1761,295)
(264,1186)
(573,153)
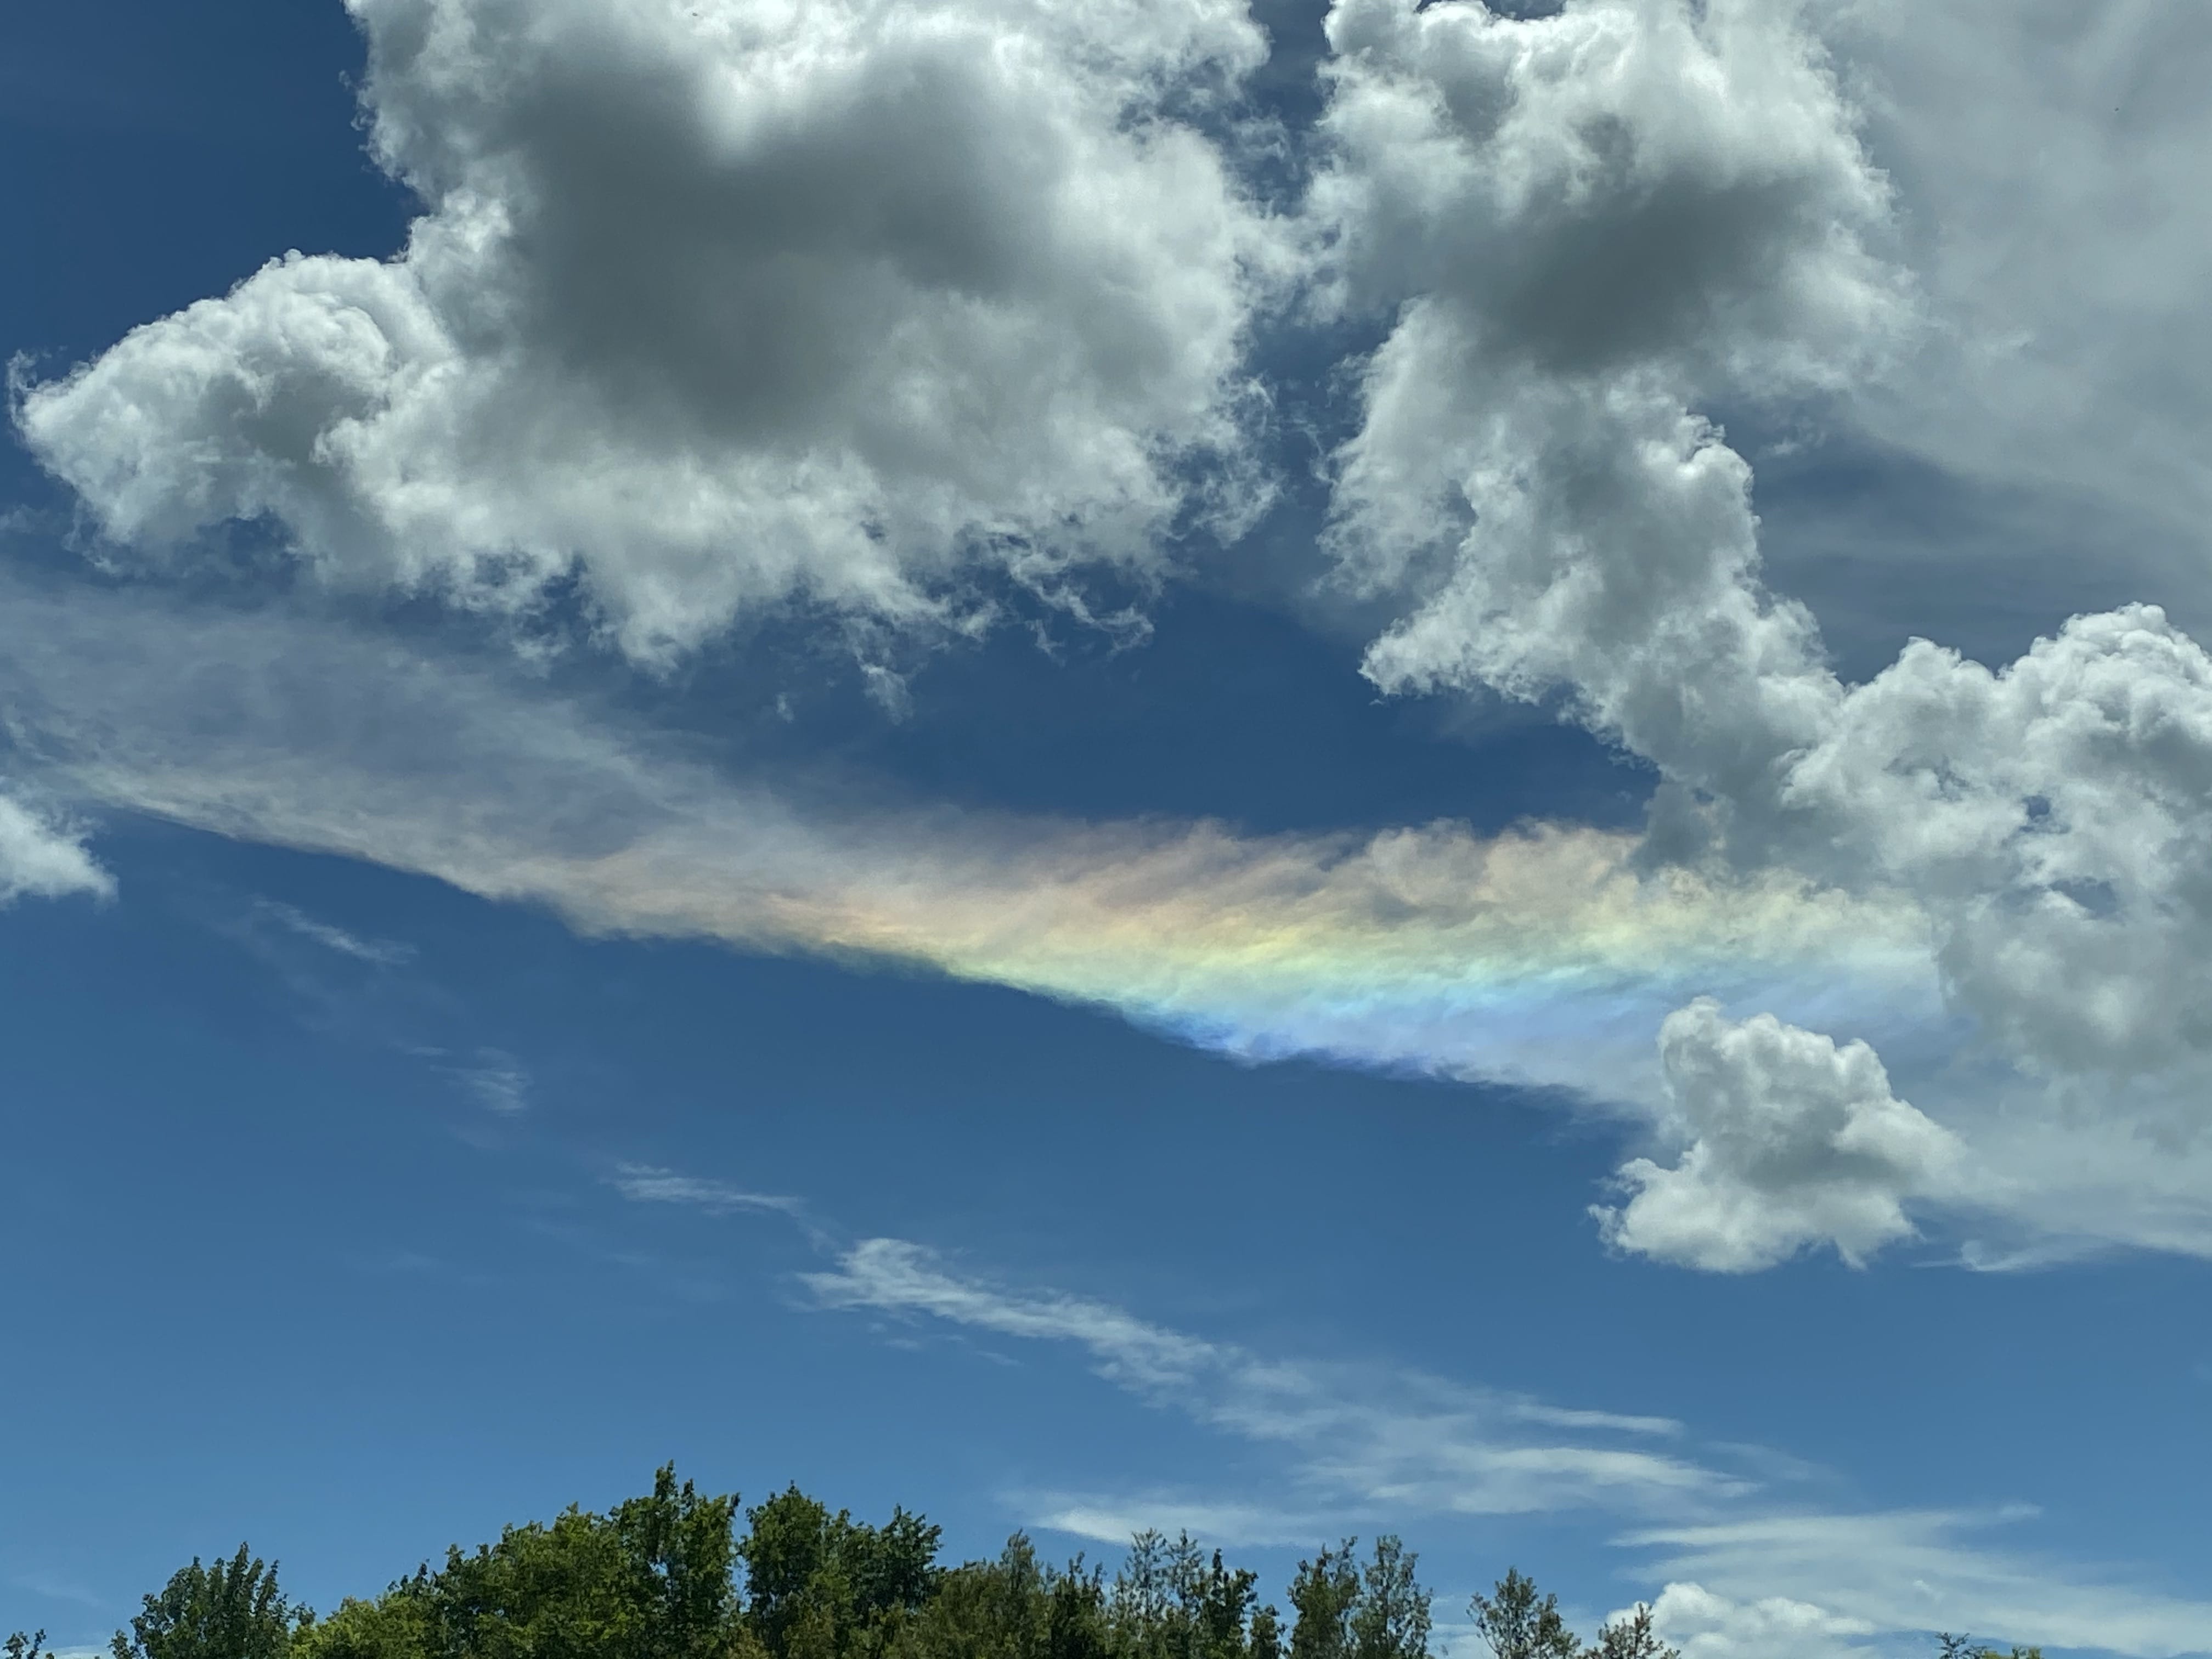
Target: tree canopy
(671,1575)
(233,1608)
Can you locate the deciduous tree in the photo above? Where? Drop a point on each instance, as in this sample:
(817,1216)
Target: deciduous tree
(230,1610)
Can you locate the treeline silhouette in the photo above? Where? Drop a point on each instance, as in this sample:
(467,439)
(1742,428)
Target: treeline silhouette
(671,1576)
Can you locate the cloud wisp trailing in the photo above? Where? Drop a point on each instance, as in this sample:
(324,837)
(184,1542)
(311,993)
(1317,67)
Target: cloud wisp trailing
(646,1183)
(1737,1565)
(1359,1446)
(377,952)
(1737,1559)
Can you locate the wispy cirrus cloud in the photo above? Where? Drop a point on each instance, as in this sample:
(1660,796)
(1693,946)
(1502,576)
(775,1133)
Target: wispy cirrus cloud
(644,1184)
(1738,1567)
(498,1082)
(1359,1440)
(377,952)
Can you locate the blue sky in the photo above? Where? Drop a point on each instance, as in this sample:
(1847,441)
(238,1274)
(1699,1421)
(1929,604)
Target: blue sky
(1115,767)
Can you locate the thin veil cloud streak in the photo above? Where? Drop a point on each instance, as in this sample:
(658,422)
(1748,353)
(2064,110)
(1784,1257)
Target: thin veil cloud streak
(1360,1441)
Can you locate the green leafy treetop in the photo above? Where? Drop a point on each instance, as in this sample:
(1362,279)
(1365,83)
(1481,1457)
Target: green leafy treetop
(1323,1596)
(231,1610)
(1391,1620)
(1516,1625)
(820,1586)
(1632,1638)
(650,1579)
(1964,1647)
(668,1577)
(1266,1641)
(1171,1601)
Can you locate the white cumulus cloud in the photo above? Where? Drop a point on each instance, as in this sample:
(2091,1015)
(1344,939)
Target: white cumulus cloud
(1593,225)
(1704,1625)
(1584,221)
(720,306)
(2056,817)
(1794,1141)
(1618,182)
(718,303)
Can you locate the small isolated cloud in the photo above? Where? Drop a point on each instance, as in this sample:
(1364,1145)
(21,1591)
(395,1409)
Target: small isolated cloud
(41,857)
(718,304)
(1793,1142)
(893,1276)
(1114,1520)
(378,952)
(642,1183)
